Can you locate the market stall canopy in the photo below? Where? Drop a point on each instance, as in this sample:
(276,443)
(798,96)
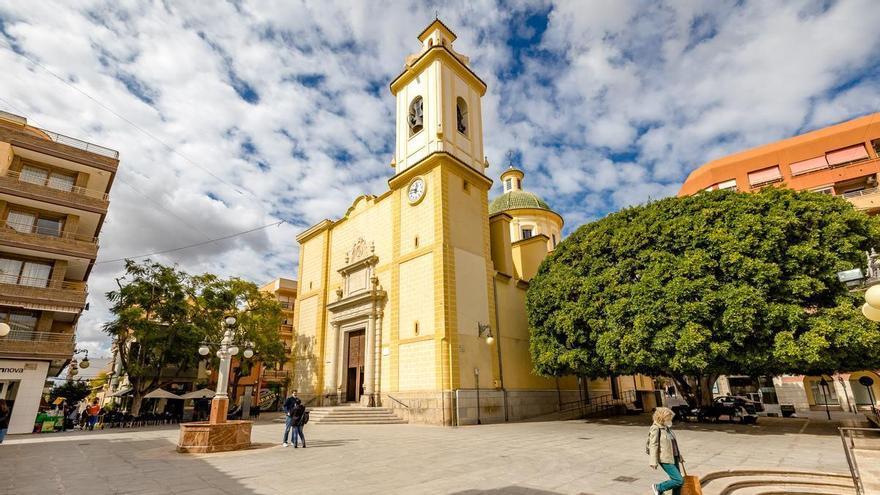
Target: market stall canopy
(204,393)
(161,394)
(121,392)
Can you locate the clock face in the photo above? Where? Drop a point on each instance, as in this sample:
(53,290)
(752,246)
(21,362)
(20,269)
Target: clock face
(416,190)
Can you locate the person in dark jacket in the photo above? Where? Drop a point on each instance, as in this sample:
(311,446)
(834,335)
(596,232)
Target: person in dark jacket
(289,405)
(299,419)
(5,413)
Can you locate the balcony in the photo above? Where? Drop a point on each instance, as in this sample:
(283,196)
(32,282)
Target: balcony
(286,330)
(39,293)
(27,236)
(25,343)
(867,200)
(14,183)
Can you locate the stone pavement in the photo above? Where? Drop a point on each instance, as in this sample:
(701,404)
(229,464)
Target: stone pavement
(571,457)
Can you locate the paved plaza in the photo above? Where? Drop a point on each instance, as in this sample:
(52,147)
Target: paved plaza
(571,457)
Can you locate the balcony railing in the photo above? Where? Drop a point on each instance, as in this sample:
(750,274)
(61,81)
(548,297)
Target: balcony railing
(863,192)
(43,238)
(286,328)
(61,187)
(41,290)
(80,144)
(275,374)
(30,343)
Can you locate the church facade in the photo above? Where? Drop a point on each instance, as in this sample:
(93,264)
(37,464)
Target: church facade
(415,299)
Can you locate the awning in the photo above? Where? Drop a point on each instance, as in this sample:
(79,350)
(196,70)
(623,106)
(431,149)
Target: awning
(204,393)
(161,394)
(121,392)
(40,307)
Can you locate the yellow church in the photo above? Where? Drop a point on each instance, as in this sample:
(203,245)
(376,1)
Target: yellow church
(414,300)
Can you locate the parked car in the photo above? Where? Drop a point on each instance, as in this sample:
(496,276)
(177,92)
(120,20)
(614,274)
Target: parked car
(735,409)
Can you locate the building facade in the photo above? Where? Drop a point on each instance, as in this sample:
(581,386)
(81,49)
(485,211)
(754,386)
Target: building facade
(841,160)
(398,299)
(273,380)
(54,195)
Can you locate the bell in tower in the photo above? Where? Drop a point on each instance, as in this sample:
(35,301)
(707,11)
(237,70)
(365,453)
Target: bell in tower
(438,103)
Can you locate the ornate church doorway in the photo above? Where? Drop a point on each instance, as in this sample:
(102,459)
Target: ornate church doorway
(355,349)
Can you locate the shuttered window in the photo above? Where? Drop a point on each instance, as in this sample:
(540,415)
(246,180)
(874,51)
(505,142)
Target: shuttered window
(764,176)
(846,155)
(810,165)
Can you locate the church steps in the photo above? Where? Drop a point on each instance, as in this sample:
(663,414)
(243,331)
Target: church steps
(776,482)
(353,415)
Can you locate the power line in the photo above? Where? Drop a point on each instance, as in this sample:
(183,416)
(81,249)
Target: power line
(129,122)
(165,251)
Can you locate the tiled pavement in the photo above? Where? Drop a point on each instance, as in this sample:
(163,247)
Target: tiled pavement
(574,457)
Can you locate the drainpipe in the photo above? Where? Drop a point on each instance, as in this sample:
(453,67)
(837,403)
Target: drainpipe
(453,413)
(498,348)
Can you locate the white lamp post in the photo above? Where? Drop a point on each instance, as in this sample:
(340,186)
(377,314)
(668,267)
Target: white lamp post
(226,349)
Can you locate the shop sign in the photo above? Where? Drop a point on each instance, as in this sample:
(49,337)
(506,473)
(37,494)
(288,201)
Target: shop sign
(11,370)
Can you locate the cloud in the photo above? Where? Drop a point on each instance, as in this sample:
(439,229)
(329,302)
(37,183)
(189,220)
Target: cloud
(258,111)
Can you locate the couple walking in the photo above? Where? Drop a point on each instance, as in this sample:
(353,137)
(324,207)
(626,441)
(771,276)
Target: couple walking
(297,417)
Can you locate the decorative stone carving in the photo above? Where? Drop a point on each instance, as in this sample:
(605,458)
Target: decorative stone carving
(359,251)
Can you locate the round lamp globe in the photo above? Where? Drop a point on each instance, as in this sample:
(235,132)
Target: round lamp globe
(871,312)
(872,296)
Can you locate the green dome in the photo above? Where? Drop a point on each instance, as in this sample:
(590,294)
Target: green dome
(516,199)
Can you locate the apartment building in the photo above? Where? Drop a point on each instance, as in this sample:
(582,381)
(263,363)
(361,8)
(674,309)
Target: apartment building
(274,381)
(841,160)
(53,201)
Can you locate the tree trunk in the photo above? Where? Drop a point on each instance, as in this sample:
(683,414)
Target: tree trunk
(137,398)
(696,390)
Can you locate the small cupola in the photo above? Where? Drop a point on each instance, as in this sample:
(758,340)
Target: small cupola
(511,179)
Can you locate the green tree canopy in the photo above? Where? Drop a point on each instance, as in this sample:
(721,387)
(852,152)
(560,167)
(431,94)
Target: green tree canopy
(73,391)
(716,283)
(163,314)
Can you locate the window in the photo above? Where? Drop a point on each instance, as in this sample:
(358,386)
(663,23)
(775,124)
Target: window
(846,155)
(507,185)
(820,393)
(466,186)
(526,233)
(19,321)
(860,393)
(461,115)
(519,183)
(554,240)
(31,222)
(727,185)
(829,190)
(416,116)
(764,176)
(416,328)
(876,145)
(30,273)
(55,180)
(810,165)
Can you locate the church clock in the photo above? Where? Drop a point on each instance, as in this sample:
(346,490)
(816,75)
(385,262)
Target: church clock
(416,190)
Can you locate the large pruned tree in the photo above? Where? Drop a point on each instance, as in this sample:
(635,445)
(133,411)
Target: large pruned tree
(717,283)
(163,314)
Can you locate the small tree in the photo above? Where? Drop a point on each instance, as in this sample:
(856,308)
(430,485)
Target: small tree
(73,391)
(716,283)
(153,327)
(163,314)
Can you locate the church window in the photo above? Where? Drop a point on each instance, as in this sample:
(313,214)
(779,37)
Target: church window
(416,115)
(461,114)
(527,233)
(507,185)
(519,183)
(466,186)
(554,240)
(416,242)
(416,328)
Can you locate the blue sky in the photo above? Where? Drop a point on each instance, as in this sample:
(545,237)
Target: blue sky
(280,110)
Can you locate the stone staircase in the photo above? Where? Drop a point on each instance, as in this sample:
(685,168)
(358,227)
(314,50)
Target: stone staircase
(776,482)
(351,415)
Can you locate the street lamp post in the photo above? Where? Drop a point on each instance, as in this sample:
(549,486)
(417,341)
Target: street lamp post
(824,384)
(477,383)
(227,348)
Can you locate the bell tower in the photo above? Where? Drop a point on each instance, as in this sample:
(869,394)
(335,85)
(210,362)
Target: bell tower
(438,104)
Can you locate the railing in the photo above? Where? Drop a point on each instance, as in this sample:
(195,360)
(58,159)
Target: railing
(287,328)
(31,336)
(863,192)
(397,401)
(35,230)
(594,405)
(80,144)
(42,283)
(276,373)
(848,437)
(44,182)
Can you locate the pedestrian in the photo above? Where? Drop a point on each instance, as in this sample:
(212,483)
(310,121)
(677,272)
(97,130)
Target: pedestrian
(289,405)
(73,417)
(663,449)
(93,411)
(5,413)
(300,416)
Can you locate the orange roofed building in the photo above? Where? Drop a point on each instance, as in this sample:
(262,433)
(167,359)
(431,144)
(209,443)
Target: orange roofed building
(841,160)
